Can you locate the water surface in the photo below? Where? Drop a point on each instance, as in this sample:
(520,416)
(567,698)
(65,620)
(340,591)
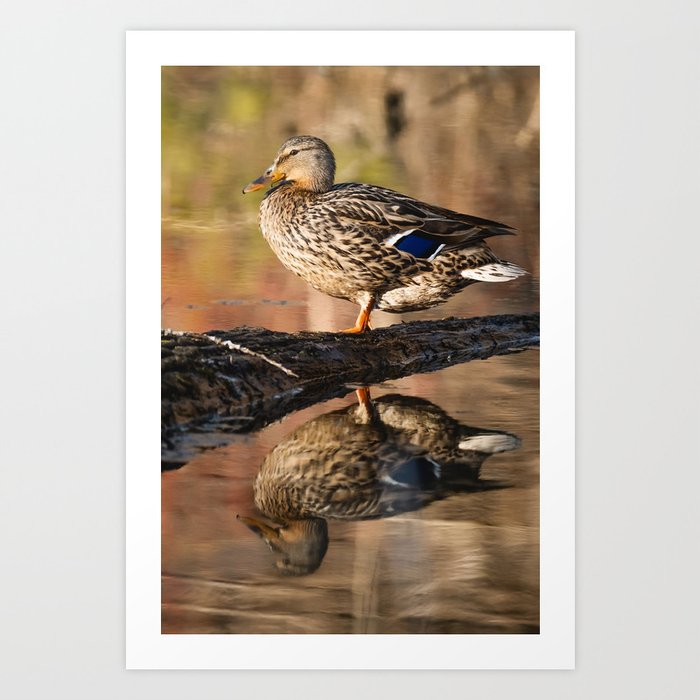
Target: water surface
(463,562)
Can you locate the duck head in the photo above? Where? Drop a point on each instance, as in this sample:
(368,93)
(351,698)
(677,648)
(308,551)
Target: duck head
(304,161)
(299,546)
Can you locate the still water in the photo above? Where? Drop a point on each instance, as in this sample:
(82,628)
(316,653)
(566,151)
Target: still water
(419,514)
(412,507)
(453,548)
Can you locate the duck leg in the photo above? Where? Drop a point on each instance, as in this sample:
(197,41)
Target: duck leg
(365,408)
(363,397)
(362,323)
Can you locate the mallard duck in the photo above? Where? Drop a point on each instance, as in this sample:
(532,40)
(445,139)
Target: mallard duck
(367,244)
(375,459)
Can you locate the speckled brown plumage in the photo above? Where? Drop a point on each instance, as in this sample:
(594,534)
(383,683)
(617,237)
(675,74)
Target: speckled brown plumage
(371,460)
(371,245)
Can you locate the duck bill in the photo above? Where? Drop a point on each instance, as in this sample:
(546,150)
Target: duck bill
(258,184)
(263,530)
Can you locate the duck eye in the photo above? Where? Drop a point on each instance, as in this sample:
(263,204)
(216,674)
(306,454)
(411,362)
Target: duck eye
(293,152)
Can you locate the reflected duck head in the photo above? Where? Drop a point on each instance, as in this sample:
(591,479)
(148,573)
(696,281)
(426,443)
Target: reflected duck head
(299,545)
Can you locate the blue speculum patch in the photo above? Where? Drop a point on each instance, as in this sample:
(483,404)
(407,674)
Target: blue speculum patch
(419,245)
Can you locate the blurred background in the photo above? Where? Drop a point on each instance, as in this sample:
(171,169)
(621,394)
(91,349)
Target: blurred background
(466,138)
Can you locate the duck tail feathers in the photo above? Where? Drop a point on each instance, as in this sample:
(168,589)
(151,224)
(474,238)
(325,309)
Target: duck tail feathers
(490,443)
(500,271)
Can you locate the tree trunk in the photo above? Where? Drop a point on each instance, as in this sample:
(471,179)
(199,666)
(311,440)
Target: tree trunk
(224,382)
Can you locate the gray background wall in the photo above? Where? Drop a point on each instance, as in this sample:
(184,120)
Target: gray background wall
(62,348)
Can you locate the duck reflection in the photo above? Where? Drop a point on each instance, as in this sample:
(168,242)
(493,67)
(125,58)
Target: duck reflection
(375,459)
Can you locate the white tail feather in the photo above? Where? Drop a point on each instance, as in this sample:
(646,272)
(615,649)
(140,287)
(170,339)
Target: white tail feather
(490,444)
(494,272)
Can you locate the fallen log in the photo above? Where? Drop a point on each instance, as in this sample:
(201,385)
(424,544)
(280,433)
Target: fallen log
(220,383)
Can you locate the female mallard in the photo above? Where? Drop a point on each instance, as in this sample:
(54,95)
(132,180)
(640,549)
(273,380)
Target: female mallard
(376,459)
(370,245)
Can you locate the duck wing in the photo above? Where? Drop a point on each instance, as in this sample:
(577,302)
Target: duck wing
(412,226)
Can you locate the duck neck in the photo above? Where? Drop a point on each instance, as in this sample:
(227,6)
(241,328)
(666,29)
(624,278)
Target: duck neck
(316,182)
